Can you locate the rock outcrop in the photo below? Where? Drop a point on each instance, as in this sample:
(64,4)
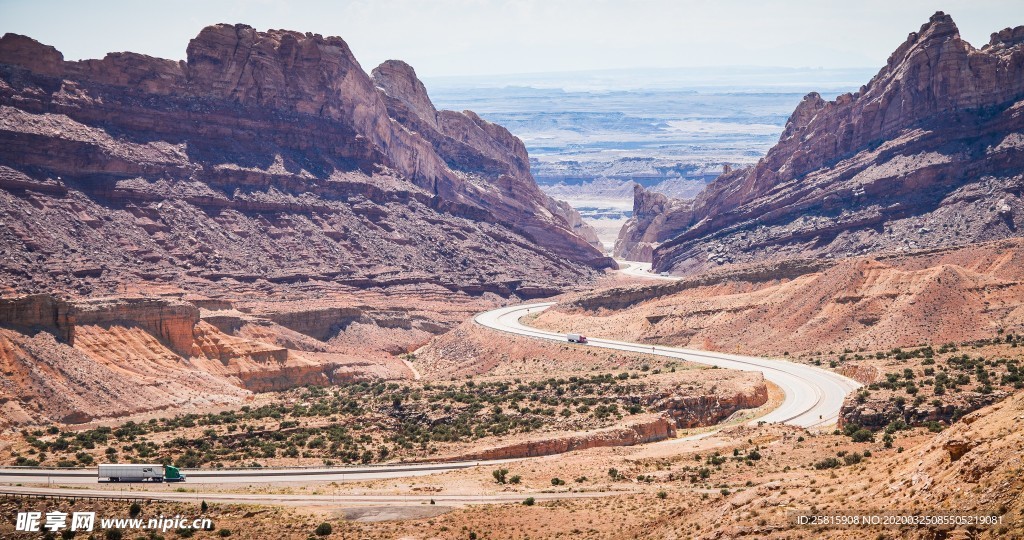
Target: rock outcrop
(876,414)
(77,360)
(264,160)
(690,411)
(927,154)
(651,430)
(656,218)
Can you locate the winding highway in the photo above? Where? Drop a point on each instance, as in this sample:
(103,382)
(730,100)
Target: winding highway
(812,399)
(813,395)
(642,270)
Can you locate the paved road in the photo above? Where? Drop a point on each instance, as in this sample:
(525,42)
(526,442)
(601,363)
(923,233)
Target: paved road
(304,500)
(13,475)
(813,396)
(641,269)
(812,399)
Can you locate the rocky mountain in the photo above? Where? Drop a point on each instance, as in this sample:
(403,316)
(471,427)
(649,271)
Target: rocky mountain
(929,153)
(265,158)
(262,215)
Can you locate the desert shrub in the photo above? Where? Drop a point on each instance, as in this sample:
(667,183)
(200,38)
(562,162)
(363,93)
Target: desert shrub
(529,501)
(324,529)
(863,435)
(827,463)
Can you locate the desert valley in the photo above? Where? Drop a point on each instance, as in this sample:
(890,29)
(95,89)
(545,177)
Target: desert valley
(344,312)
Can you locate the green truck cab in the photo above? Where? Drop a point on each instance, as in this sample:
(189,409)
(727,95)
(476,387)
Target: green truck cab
(172,474)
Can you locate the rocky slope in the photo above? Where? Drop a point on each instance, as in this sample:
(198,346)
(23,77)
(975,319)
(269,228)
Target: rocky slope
(263,160)
(75,361)
(260,216)
(926,154)
(937,296)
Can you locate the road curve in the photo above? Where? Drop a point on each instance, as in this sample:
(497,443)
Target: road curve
(642,270)
(813,395)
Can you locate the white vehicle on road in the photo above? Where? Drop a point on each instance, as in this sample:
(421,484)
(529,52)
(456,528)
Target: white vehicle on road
(138,472)
(576,338)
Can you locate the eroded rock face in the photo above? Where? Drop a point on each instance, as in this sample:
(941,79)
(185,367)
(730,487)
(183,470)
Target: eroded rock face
(266,158)
(77,360)
(656,219)
(926,154)
(655,429)
(690,411)
(476,147)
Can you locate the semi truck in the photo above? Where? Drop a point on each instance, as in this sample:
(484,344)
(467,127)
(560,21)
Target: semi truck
(576,338)
(139,472)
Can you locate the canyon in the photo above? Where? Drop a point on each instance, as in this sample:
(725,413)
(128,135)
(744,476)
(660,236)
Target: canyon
(927,154)
(262,215)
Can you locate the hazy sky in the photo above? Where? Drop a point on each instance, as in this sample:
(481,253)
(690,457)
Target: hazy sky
(482,37)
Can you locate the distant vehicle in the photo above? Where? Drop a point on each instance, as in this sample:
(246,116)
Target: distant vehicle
(576,338)
(136,472)
(663,274)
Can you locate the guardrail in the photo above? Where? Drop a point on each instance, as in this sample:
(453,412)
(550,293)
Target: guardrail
(14,495)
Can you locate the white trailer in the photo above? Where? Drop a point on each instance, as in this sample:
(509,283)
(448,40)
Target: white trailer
(576,338)
(131,472)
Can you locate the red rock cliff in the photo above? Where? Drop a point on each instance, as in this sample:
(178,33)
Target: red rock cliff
(926,154)
(265,157)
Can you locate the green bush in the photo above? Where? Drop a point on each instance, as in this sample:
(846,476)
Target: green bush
(827,463)
(529,501)
(324,529)
(863,435)
(224,533)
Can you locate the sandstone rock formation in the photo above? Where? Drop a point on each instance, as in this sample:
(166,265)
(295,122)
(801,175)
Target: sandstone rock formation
(933,296)
(927,154)
(653,429)
(266,159)
(260,216)
(77,360)
(656,218)
(690,411)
